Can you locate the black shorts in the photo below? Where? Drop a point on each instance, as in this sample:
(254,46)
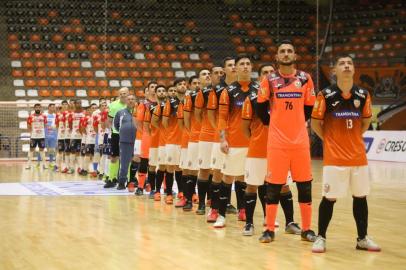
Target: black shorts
(115,145)
(90,149)
(75,145)
(67,145)
(37,142)
(61,145)
(82,149)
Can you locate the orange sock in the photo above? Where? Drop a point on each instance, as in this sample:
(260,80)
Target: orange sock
(271,211)
(306,212)
(141,179)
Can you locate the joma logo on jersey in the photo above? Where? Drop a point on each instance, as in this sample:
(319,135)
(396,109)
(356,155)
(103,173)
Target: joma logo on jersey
(289,95)
(346,114)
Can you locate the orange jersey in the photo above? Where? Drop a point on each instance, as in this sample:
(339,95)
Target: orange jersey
(287,96)
(163,132)
(174,132)
(207,132)
(342,117)
(230,108)
(259,132)
(185,133)
(138,135)
(152,108)
(212,104)
(195,126)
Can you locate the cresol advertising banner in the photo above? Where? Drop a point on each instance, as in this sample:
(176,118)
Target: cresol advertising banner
(386,145)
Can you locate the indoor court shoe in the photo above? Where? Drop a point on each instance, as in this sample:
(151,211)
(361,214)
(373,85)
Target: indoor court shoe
(231,209)
(188,206)
(367,244)
(109,184)
(71,171)
(139,192)
(212,216)
(180,195)
(148,187)
(248,230)
(293,228)
(64,170)
(241,215)
(100,176)
(157,196)
(195,199)
(201,210)
(131,187)
(169,199)
(121,186)
(28,167)
(319,246)
(220,222)
(309,236)
(93,174)
(181,203)
(267,237)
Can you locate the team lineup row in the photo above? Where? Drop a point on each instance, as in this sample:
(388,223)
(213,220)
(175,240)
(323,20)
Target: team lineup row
(222,127)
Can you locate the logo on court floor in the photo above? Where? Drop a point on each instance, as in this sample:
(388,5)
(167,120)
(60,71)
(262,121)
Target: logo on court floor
(326,188)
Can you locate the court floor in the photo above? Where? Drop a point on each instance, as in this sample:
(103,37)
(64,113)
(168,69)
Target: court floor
(128,232)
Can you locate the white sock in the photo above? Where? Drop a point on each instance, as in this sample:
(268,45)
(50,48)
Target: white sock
(29,158)
(106,166)
(86,163)
(59,157)
(101,164)
(43,158)
(72,161)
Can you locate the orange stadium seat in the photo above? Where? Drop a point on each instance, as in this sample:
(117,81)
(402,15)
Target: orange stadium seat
(161,56)
(61,55)
(169,74)
(150,56)
(169,48)
(134,74)
(236,40)
(165,65)
(153,64)
(88,74)
(41,73)
(75,21)
(115,92)
(51,64)
(157,74)
(70,47)
(155,39)
(17,73)
(49,55)
(74,64)
(28,64)
(93,93)
(43,83)
(132,64)
(12,37)
(26,55)
(120,64)
(183,56)
(55,83)
(66,83)
(14,46)
(146,74)
(199,65)
(98,64)
(137,83)
(39,64)
(35,37)
(30,83)
(29,73)
(105,93)
(57,38)
(69,93)
(187,65)
(57,93)
(136,48)
(123,74)
(44,93)
(52,73)
(102,83)
(112,73)
(91,83)
(93,47)
(65,73)
(240,49)
(78,83)
(14,55)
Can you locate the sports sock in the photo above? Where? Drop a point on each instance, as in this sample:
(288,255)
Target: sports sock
(29,158)
(209,190)
(360,212)
(141,180)
(325,213)
(107,166)
(271,211)
(261,195)
(223,201)
(113,170)
(202,186)
(287,206)
(42,156)
(101,163)
(215,187)
(133,170)
(72,158)
(306,213)
(159,179)
(239,192)
(169,183)
(250,202)
(151,179)
(179,180)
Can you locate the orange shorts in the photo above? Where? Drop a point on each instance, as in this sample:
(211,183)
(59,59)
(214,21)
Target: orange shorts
(281,161)
(145,145)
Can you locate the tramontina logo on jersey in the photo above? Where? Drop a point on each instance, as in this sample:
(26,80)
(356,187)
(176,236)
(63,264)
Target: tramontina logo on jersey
(289,95)
(346,114)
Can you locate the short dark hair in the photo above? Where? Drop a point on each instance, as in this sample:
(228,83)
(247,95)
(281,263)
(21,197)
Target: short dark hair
(228,58)
(93,104)
(161,86)
(286,41)
(151,82)
(216,66)
(192,78)
(262,67)
(202,70)
(51,104)
(340,56)
(37,104)
(178,81)
(241,56)
(100,99)
(64,102)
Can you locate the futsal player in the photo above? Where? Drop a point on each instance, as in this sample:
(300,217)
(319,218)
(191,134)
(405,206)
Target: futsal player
(36,126)
(341,114)
(76,136)
(51,135)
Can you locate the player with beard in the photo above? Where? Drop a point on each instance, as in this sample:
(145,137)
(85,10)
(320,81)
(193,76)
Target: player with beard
(36,125)
(193,127)
(173,133)
(88,128)
(60,122)
(289,93)
(153,123)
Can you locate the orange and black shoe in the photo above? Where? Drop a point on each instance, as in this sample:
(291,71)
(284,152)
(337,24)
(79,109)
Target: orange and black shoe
(188,206)
(157,197)
(181,203)
(195,199)
(180,195)
(131,187)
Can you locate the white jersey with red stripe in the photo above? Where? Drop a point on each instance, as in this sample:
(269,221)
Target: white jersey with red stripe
(37,123)
(74,122)
(61,123)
